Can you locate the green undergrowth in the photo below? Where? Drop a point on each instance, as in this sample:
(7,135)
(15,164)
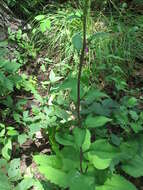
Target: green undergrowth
(114,43)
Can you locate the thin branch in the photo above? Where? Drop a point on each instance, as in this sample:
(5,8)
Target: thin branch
(81,62)
(82,55)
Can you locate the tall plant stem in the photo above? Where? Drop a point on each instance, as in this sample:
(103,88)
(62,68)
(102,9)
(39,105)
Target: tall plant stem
(81,61)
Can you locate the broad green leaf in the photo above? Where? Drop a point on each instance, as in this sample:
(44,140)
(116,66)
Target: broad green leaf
(55,176)
(134,167)
(136,127)
(44,160)
(109,103)
(53,77)
(12,133)
(129,149)
(71,83)
(6,150)
(8,84)
(70,158)
(103,149)
(140,143)
(3,44)
(22,138)
(117,182)
(4,164)
(61,113)
(134,115)
(2,125)
(34,127)
(79,136)
(64,139)
(39,186)
(99,163)
(50,167)
(8,102)
(2,133)
(14,170)
(25,184)
(39,17)
(19,34)
(79,181)
(43,68)
(45,25)
(102,153)
(4,182)
(132,102)
(97,121)
(94,94)
(87,141)
(98,109)
(75,15)
(77,42)
(115,139)
(11,67)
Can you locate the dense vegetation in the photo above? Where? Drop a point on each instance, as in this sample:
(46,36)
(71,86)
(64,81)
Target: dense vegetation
(71,95)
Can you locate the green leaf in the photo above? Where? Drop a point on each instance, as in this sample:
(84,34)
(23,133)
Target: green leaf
(19,34)
(117,182)
(115,139)
(136,127)
(6,150)
(55,176)
(64,139)
(45,25)
(11,67)
(98,162)
(2,133)
(71,83)
(2,125)
(50,167)
(44,160)
(103,149)
(4,182)
(134,167)
(4,164)
(132,102)
(70,158)
(14,170)
(25,184)
(39,186)
(34,127)
(79,136)
(22,138)
(94,94)
(97,121)
(39,17)
(8,102)
(53,77)
(43,68)
(87,141)
(130,148)
(8,84)
(12,133)
(61,113)
(134,115)
(78,181)
(77,42)
(102,153)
